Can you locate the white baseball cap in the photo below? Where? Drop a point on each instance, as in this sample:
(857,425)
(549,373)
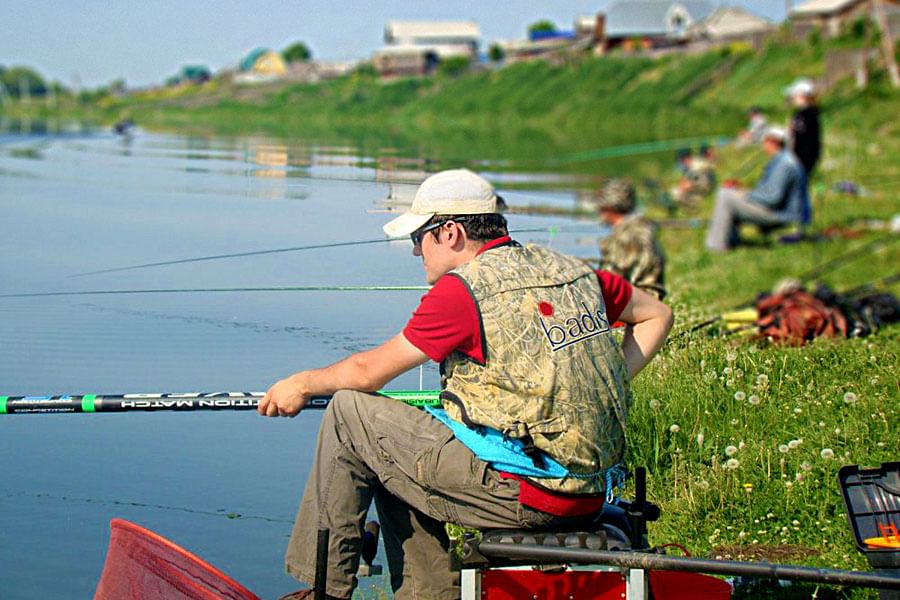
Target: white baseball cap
(454,192)
(775,133)
(801,87)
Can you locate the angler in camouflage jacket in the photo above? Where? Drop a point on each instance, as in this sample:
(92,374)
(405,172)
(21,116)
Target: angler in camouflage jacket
(632,250)
(535,398)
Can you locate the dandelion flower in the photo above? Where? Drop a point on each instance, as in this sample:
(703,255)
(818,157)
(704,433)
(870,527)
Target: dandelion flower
(674,428)
(730,450)
(732,464)
(654,403)
(850,398)
(783,448)
(827,453)
(793,444)
(739,396)
(748,487)
(731,356)
(754,400)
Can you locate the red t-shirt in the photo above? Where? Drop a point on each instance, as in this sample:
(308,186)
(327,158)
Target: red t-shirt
(447,320)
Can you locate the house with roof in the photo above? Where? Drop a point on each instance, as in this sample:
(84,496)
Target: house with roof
(417,47)
(634,25)
(261,64)
(729,24)
(831,17)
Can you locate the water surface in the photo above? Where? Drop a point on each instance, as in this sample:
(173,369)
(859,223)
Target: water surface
(223,485)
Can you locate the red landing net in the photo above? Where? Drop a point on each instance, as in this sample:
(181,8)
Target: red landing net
(141,565)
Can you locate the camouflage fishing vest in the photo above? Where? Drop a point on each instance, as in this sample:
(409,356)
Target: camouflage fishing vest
(553,376)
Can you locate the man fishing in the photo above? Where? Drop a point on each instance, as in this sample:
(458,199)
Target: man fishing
(632,250)
(534,402)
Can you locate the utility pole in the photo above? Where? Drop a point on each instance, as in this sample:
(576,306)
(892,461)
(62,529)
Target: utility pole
(887,42)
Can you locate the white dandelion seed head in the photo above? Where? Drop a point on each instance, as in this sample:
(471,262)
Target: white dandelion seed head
(727,370)
(731,356)
(806,466)
(850,398)
(798,410)
(827,453)
(734,421)
(732,464)
(654,403)
(700,439)
(738,373)
(794,443)
(762,379)
(739,396)
(674,428)
(799,477)
(741,445)
(730,450)
(783,448)
(729,383)
(754,400)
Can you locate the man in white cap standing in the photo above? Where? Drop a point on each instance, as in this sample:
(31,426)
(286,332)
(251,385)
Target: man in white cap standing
(777,199)
(535,393)
(805,134)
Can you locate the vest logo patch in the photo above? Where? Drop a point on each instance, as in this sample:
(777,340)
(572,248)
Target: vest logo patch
(565,332)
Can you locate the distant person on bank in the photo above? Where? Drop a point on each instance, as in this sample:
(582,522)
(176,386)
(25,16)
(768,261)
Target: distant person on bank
(698,177)
(804,133)
(632,250)
(756,127)
(777,199)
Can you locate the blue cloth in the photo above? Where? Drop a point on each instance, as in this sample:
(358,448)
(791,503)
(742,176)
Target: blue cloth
(502,453)
(782,189)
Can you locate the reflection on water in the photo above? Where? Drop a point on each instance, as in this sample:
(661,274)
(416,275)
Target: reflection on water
(86,201)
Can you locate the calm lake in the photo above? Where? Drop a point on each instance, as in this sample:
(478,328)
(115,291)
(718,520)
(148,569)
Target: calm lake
(224,485)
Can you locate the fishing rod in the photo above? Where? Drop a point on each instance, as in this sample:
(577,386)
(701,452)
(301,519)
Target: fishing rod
(259,253)
(300,288)
(95,403)
(643,560)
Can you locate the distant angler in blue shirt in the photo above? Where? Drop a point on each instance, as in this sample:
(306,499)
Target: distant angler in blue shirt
(777,199)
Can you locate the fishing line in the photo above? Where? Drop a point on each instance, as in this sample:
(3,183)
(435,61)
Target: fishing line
(299,288)
(261,252)
(103,501)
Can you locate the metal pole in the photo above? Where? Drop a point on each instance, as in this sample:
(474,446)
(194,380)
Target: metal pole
(646,561)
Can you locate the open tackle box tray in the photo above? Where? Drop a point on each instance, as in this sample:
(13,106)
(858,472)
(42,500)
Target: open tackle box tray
(872,500)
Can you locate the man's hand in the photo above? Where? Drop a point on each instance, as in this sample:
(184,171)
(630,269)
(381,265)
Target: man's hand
(286,398)
(364,371)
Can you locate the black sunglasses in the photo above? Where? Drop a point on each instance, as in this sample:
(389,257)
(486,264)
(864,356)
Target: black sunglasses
(417,235)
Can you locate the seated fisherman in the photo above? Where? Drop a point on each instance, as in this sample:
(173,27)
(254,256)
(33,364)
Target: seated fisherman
(632,249)
(535,399)
(776,200)
(697,180)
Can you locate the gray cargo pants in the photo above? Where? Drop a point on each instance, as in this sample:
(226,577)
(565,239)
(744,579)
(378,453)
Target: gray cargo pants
(419,476)
(732,208)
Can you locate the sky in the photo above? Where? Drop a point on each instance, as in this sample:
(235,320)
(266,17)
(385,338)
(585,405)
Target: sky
(88,43)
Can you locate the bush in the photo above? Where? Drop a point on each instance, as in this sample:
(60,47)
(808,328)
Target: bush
(454,65)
